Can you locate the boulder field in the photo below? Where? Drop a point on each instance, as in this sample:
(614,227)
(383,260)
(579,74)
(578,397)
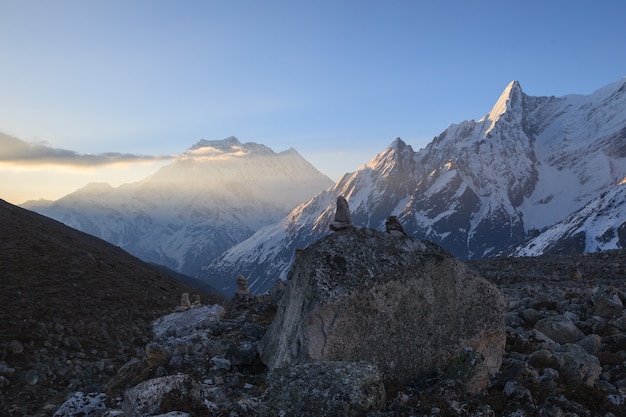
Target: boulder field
(545,337)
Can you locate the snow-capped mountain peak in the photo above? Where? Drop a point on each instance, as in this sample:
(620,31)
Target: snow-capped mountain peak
(215,195)
(226,148)
(479,189)
(390,157)
(510,101)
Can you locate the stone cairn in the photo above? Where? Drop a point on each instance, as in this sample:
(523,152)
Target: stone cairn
(393,227)
(196,301)
(342,216)
(185,304)
(243,292)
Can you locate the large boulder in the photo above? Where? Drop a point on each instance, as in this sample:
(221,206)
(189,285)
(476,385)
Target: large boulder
(404,305)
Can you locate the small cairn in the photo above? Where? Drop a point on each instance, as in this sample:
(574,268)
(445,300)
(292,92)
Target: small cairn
(185,304)
(342,216)
(393,227)
(196,301)
(243,292)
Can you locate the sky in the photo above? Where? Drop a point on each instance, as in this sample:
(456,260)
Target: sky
(110,90)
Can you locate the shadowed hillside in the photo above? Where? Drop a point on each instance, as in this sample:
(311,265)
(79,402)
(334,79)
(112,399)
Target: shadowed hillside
(74,309)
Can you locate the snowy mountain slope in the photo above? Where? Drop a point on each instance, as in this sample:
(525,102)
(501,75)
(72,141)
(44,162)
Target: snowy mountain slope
(478,189)
(597,226)
(215,195)
(373,191)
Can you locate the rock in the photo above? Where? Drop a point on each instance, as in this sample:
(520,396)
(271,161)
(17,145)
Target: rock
(394,227)
(31,377)
(81,404)
(127,376)
(547,381)
(277,291)
(591,343)
(484,411)
(560,329)
(72,342)
(576,366)
(608,305)
(470,368)
(6,370)
(183,323)
(162,395)
(342,216)
(15,347)
(244,353)
(529,315)
(323,389)
(156,354)
(220,363)
(402,304)
(252,331)
(620,322)
(185,304)
(540,340)
(542,358)
(514,391)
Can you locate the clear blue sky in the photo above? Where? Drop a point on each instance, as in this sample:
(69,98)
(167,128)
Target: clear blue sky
(336,80)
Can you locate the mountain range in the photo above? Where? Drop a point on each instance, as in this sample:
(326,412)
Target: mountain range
(535,168)
(214,195)
(535,175)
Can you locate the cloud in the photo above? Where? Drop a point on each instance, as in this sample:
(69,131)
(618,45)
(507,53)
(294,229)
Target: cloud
(14,151)
(213,153)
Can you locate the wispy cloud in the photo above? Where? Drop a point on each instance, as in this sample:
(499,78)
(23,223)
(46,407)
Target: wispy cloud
(14,151)
(212,153)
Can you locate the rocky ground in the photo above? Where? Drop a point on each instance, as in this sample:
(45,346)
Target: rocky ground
(565,356)
(76,323)
(74,310)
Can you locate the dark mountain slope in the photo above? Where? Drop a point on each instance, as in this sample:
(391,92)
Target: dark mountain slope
(74,309)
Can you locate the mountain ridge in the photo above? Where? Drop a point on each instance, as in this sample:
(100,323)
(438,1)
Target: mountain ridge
(479,189)
(214,195)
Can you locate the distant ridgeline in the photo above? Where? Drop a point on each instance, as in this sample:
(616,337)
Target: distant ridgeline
(534,175)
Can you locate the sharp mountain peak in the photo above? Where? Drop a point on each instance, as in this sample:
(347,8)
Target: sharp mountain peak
(510,101)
